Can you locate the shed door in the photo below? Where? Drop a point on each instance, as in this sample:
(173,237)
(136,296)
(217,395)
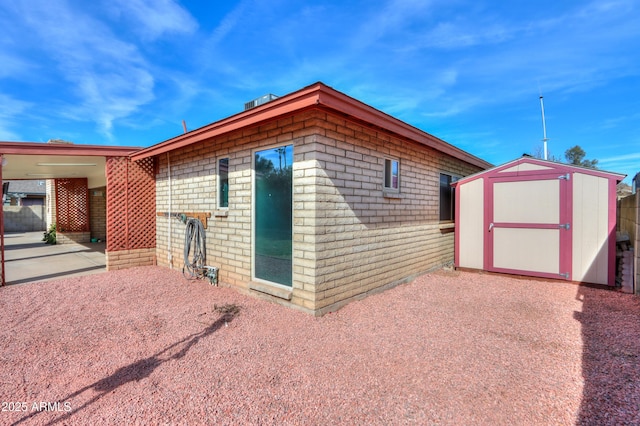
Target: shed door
(528,229)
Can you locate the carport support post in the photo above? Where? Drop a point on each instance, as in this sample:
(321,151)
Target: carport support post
(2,222)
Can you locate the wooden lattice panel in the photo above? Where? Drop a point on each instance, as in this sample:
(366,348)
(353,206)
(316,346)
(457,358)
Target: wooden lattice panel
(72,205)
(131,203)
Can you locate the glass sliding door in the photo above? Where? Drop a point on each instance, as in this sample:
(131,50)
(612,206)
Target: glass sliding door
(273,207)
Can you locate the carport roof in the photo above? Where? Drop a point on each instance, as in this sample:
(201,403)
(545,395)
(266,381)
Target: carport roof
(35,160)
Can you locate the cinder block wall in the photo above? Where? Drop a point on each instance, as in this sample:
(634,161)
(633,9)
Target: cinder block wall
(629,222)
(349,238)
(24,218)
(72,237)
(51,203)
(98,212)
(123,259)
(193,189)
(360,239)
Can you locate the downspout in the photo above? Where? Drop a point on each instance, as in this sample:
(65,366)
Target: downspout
(169,255)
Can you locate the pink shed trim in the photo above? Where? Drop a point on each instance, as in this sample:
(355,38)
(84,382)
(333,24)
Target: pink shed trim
(488,215)
(456,236)
(560,167)
(566,249)
(498,174)
(612,232)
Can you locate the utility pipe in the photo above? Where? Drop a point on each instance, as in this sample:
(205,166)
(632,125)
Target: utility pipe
(169,255)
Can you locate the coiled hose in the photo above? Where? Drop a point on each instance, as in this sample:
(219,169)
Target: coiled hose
(194,235)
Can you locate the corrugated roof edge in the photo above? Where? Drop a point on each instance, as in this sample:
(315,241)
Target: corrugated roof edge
(317,95)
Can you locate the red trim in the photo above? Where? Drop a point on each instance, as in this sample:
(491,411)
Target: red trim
(456,236)
(319,96)
(566,236)
(565,216)
(560,168)
(36,148)
(528,273)
(488,216)
(524,225)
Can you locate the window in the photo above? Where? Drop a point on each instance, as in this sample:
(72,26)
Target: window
(391,174)
(223,183)
(447,197)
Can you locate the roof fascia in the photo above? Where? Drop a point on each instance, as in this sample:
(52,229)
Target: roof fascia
(556,167)
(279,107)
(315,95)
(37,148)
(350,106)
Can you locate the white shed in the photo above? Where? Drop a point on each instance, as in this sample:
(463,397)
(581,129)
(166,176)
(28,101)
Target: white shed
(538,218)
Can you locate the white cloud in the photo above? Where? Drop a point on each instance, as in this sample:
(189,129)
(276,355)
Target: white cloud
(12,65)
(392,18)
(633,156)
(109,76)
(228,23)
(10,110)
(155,18)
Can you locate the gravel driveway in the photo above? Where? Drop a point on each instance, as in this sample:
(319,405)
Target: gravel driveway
(145,346)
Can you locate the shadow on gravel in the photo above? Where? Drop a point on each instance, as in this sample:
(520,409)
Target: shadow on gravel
(610,358)
(143,368)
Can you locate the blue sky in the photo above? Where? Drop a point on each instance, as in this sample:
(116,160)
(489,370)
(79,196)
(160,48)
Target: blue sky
(127,72)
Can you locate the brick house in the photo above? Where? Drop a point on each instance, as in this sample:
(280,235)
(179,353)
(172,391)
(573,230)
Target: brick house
(315,198)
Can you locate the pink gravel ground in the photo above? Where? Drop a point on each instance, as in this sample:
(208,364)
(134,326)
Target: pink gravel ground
(145,346)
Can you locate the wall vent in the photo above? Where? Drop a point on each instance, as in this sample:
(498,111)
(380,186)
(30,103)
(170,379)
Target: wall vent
(259,101)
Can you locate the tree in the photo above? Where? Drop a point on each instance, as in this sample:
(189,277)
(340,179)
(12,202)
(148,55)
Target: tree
(538,152)
(623,190)
(575,156)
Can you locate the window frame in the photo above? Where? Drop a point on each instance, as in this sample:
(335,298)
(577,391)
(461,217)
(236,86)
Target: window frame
(387,174)
(452,195)
(219,183)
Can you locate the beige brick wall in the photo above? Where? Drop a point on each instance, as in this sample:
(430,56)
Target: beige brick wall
(349,239)
(629,222)
(98,212)
(72,237)
(124,259)
(357,239)
(51,203)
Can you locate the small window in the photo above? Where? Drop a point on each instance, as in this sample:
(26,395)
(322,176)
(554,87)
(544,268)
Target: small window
(447,197)
(223,183)
(391,174)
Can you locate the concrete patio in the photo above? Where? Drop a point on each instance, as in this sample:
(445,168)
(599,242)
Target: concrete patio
(29,259)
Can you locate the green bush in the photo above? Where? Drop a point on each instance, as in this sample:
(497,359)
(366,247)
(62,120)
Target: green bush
(50,235)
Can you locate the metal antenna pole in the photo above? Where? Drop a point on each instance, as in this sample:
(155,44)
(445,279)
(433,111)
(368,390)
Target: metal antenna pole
(544,129)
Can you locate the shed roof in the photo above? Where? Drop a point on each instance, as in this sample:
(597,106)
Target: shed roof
(529,165)
(318,96)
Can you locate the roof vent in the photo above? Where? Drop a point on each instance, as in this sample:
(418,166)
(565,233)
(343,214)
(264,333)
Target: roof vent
(259,101)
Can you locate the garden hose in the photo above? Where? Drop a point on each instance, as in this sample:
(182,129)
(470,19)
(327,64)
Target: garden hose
(194,235)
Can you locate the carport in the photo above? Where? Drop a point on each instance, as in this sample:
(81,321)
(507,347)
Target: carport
(124,193)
